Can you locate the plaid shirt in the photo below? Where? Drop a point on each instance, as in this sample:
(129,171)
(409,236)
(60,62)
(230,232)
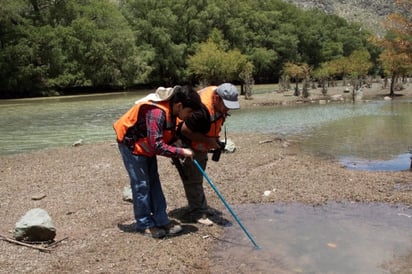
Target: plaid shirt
(155,119)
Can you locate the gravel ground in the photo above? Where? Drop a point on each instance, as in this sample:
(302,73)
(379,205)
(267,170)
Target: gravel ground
(82,189)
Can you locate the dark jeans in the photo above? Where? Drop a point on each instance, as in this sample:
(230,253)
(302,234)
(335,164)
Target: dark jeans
(193,185)
(149,203)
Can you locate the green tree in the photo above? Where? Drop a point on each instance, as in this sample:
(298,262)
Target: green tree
(157,29)
(317,40)
(263,60)
(63,44)
(359,63)
(18,69)
(49,44)
(106,51)
(298,71)
(322,74)
(212,65)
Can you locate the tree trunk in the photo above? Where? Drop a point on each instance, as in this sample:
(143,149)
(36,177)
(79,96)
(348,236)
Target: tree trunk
(305,92)
(297,93)
(392,89)
(324,88)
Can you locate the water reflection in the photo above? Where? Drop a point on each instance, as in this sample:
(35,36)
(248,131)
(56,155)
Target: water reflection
(369,136)
(378,135)
(335,238)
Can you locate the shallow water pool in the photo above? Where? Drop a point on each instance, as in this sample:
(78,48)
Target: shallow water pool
(334,238)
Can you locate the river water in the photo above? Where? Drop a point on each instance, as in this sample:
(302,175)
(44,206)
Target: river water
(32,124)
(374,135)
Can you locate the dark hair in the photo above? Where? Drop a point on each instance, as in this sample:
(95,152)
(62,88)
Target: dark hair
(187,96)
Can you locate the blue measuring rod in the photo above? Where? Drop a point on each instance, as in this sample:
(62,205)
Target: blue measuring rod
(225,203)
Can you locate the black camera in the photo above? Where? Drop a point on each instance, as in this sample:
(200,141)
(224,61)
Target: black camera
(218,151)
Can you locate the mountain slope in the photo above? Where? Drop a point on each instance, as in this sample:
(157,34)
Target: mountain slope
(369,13)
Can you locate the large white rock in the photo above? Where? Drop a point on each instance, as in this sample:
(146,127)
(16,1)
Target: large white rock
(35,226)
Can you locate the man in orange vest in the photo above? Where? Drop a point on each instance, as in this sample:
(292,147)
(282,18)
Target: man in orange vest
(143,132)
(201,133)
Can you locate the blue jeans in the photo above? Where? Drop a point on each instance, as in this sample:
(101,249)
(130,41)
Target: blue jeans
(149,203)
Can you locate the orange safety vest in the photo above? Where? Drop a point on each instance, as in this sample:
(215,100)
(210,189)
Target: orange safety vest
(129,119)
(206,95)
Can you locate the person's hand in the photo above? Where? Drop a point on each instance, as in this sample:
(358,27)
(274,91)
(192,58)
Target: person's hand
(188,153)
(178,143)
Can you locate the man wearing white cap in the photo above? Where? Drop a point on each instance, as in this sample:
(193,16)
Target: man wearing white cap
(201,132)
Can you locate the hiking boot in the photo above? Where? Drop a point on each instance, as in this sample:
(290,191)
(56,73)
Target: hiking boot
(172,229)
(154,232)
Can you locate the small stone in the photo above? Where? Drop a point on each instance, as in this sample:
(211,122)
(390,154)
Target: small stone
(267,193)
(38,197)
(78,143)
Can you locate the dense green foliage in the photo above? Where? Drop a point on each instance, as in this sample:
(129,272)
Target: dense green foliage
(57,45)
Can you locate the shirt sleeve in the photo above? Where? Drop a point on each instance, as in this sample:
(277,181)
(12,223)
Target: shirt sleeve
(155,119)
